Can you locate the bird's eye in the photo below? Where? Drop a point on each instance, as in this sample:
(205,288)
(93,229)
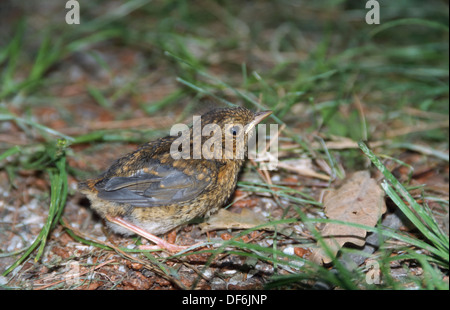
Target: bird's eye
(235,130)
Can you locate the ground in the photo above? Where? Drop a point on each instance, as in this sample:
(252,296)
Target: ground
(73,98)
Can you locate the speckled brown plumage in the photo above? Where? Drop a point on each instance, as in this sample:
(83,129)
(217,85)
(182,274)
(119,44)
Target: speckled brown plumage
(151,190)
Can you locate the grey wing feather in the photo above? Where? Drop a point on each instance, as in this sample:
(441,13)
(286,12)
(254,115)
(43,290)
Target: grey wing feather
(142,189)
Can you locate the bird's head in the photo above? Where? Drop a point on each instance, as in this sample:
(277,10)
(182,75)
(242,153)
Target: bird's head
(225,132)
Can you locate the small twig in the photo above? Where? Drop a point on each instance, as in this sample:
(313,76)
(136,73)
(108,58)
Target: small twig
(304,172)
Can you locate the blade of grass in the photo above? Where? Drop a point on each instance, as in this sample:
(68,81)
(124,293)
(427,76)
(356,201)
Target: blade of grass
(58,181)
(384,231)
(166,101)
(409,21)
(417,214)
(20,121)
(98,96)
(11,151)
(56,192)
(421,149)
(282,192)
(11,54)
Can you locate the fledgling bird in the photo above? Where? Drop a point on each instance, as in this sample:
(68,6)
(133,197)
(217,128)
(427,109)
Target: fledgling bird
(150,192)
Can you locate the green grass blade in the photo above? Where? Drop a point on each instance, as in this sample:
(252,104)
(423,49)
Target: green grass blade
(58,196)
(409,21)
(417,214)
(11,151)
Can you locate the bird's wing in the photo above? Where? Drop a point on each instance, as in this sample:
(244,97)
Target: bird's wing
(154,185)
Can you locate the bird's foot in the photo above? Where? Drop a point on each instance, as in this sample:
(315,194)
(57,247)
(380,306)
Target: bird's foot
(160,243)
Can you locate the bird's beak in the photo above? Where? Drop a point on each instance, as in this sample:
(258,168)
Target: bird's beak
(259,116)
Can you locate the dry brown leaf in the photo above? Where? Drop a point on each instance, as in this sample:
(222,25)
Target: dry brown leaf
(303,167)
(360,200)
(225,219)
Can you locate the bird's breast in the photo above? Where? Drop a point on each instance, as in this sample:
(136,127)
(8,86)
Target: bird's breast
(224,186)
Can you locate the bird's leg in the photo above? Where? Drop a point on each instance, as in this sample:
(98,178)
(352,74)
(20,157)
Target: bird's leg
(160,243)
